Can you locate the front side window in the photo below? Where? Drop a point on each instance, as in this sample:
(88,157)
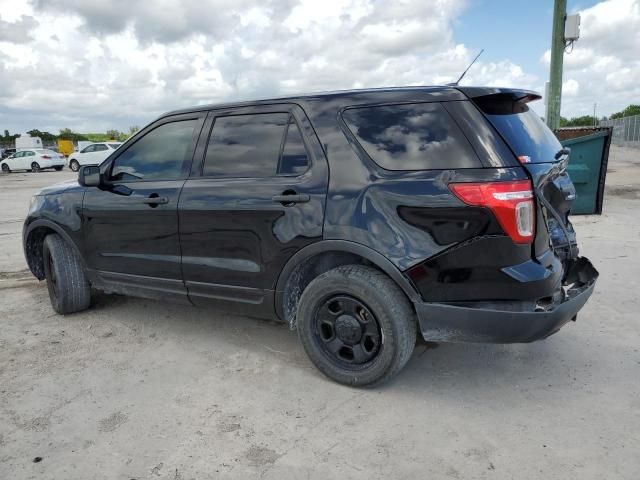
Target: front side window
(159,155)
(100,147)
(418,136)
(88,149)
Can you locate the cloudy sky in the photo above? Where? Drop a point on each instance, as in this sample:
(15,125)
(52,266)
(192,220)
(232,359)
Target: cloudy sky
(96,64)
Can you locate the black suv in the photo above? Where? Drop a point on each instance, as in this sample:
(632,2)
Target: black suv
(358,217)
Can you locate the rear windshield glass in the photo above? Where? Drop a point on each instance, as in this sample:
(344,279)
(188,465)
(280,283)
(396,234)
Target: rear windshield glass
(418,136)
(521,127)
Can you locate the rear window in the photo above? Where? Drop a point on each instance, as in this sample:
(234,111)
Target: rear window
(418,136)
(524,131)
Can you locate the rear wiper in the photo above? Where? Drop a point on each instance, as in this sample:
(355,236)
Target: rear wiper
(562,152)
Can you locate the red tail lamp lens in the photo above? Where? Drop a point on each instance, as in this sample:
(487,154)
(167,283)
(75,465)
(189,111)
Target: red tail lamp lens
(511,203)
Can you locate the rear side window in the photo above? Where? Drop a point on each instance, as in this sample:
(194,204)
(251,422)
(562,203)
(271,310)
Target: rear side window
(418,136)
(255,146)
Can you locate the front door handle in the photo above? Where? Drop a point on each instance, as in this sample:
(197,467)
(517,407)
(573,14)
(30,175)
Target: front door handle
(291,198)
(155,200)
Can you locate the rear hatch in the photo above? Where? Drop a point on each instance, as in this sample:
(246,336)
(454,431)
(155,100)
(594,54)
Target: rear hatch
(541,154)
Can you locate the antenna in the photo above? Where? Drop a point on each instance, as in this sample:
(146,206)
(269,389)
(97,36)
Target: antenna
(465,72)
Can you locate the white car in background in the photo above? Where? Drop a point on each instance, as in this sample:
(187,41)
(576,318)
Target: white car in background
(33,159)
(92,154)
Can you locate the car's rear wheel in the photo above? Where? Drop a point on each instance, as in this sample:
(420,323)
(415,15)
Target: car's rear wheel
(74,165)
(69,289)
(35,167)
(356,325)
(5,168)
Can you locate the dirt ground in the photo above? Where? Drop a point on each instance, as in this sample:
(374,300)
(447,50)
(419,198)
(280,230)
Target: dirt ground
(134,389)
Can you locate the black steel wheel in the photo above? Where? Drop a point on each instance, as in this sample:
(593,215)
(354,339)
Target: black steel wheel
(356,325)
(35,167)
(347,331)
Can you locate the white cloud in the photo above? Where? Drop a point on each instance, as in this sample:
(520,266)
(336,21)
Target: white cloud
(570,88)
(97,64)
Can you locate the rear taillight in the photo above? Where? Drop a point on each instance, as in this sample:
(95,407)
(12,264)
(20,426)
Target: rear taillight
(511,203)
(45,156)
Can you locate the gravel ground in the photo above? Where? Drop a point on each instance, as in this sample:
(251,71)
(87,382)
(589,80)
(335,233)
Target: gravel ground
(138,389)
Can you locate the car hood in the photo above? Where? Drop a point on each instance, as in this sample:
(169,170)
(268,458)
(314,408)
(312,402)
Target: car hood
(62,187)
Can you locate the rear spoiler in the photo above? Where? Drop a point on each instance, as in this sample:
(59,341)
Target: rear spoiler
(516,94)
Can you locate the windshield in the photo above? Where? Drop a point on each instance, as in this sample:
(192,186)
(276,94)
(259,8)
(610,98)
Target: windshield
(525,132)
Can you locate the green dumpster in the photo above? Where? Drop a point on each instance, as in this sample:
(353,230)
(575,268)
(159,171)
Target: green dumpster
(587,165)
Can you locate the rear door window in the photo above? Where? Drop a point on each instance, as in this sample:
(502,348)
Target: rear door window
(418,136)
(294,159)
(255,146)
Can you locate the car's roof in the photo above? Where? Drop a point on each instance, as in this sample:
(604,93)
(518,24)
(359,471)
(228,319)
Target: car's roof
(443,92)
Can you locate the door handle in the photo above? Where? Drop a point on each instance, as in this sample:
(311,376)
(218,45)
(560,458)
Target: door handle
(291,198)
(155,200)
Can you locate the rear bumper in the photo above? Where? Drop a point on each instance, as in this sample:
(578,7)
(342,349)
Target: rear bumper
(508,322)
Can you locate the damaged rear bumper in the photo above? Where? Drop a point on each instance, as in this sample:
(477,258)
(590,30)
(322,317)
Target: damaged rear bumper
(508,322)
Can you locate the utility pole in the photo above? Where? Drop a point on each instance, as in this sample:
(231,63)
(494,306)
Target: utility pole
(555,74)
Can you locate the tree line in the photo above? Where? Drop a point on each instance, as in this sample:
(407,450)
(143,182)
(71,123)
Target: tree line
(68,134)
(590,120)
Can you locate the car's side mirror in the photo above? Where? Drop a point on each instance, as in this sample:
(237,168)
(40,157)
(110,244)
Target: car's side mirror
(89,176)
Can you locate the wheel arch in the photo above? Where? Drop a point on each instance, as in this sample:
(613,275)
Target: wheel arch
(33,240)
(320,257)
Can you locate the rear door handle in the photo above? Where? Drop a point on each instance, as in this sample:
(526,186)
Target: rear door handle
(291,198)
(155,200)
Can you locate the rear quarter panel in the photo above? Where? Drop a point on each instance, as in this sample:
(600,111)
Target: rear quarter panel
(363,199)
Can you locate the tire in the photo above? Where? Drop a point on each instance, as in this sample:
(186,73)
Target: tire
(69,289)
(329,302)
(74,165)
(35,167)
(58,168)
(5,168)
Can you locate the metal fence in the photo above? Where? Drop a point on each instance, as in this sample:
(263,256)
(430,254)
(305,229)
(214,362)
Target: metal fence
(626,130)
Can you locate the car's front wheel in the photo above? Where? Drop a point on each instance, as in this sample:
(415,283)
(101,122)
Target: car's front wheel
(74,165)
(35,167)
(356,325)
(69,289)
(5,168)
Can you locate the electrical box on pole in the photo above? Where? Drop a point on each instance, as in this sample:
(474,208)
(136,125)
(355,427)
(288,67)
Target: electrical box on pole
(572,28)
